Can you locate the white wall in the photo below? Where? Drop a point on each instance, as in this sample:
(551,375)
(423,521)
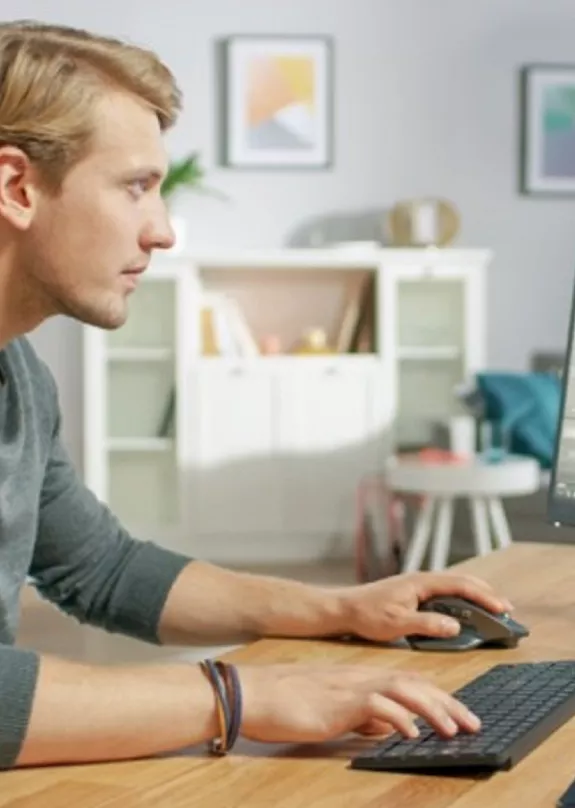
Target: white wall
(426,103)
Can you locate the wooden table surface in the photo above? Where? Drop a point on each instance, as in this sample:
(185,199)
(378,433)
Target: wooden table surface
(540,581)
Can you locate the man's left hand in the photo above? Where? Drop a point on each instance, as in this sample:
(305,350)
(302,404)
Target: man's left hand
(387,610)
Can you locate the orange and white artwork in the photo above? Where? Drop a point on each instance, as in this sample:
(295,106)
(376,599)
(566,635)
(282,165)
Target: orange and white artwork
(278,102)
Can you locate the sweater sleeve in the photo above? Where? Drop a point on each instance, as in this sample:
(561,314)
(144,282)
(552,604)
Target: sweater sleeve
(18,676)
(87,564)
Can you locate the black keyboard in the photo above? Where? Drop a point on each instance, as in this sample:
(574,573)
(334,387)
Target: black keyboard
(519,705)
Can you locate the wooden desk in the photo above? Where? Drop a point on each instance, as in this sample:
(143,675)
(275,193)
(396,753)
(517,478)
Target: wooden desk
(540,581)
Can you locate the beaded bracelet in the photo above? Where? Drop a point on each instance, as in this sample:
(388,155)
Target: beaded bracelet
(226,685)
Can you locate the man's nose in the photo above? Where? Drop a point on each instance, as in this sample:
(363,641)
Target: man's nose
(160,233)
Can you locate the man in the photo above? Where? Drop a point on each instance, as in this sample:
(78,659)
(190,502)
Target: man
(81,164)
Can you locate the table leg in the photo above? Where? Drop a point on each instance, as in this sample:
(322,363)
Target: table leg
(442,538)
(502,533)
(480,526)
(420,538)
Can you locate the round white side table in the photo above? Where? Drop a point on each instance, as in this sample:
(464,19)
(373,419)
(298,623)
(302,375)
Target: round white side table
(439,484)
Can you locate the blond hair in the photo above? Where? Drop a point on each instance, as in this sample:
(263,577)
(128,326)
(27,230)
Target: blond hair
(50,77)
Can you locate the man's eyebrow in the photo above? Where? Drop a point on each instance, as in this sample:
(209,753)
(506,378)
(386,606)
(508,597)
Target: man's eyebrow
(150,172)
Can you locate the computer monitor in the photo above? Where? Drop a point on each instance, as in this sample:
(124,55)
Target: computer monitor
(561,500)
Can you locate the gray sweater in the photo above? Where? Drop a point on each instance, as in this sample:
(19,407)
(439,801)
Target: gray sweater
(53,529)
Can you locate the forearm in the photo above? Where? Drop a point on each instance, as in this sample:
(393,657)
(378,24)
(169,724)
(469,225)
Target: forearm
(88,564)
(83,713)
(210,604)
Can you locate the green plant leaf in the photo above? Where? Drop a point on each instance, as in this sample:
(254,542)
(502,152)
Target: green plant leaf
(187,173)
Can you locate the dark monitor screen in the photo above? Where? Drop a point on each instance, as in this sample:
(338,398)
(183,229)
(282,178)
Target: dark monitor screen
(561,503)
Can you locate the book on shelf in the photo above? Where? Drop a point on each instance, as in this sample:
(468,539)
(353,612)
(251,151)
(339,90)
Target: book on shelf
(364,335)
(223,328)
(348,324)
(166,427)
(356,332)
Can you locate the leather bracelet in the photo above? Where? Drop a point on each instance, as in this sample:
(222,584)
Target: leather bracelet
(218,746)
(234,691)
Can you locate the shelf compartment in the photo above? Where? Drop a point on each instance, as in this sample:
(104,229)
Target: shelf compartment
(143,488)
(426,396)
(151,321)
(286,303)
(431,313)
(138,396)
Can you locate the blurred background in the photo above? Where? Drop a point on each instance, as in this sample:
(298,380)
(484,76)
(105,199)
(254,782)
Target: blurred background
(426,103)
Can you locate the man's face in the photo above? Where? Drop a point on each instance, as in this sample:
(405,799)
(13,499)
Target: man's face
(87,245)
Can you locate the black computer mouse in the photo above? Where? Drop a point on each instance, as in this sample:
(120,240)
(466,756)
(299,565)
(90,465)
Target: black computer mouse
(479,627)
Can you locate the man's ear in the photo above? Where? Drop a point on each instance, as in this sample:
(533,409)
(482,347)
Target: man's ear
(18,187)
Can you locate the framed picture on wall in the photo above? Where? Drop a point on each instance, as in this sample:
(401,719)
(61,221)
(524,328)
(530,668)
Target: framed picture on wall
(278,102)
(548,129)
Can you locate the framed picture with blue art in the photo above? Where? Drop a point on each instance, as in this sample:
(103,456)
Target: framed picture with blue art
(548,130)
(278,102)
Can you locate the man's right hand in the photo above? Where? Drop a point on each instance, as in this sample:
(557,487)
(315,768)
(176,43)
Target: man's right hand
(297,703)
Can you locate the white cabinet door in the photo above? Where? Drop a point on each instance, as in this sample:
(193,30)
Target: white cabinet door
(331,423)
(235,487)
(438,346)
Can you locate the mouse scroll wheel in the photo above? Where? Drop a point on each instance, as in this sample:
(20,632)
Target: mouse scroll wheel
(442,608)
(455,611)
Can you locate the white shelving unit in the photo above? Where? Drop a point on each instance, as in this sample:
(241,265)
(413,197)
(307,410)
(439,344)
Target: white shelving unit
(262,454)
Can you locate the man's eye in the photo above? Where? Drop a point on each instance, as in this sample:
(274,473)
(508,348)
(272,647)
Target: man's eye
(137,187)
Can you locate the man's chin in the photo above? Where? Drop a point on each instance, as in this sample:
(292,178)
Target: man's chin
(108,318)
(112,322)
